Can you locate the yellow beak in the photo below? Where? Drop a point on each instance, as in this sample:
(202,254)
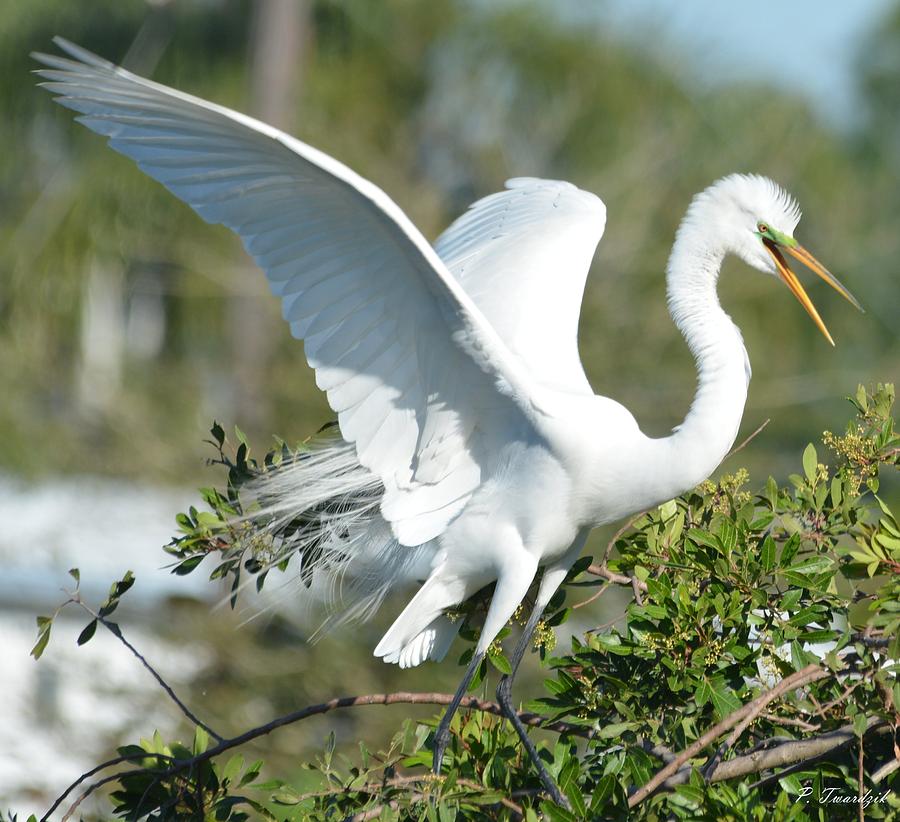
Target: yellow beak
(790,279)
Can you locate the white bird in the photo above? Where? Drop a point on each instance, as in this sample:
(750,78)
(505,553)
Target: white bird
(473,449)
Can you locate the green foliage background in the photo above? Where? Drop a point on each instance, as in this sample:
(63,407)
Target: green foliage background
(438,103)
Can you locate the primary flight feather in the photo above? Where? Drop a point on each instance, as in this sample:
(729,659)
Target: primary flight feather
(472,448)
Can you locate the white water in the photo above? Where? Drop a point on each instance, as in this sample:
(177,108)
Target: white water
(59,715)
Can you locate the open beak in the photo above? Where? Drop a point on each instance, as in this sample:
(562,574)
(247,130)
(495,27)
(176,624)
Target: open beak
(790,279)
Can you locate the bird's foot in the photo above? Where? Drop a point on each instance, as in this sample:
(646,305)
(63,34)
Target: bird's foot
(504,697)
(441,740)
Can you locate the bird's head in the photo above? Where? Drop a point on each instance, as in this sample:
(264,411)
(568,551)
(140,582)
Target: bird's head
(756,219)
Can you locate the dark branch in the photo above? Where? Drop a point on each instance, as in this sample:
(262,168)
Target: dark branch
(116,631)
(400,697)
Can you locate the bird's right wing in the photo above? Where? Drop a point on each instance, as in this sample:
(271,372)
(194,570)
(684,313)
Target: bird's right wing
(407,360)
(523,256)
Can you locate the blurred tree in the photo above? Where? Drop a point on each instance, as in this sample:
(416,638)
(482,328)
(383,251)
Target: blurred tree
(438,103)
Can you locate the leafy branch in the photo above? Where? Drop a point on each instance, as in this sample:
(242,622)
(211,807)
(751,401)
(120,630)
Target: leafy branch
(762,639)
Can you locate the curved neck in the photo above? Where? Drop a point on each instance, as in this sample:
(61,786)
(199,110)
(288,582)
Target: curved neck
(697,446)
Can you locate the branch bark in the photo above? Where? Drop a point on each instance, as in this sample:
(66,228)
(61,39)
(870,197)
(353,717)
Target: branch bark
(810,673)
(116,631)
(399,697)
(787,753)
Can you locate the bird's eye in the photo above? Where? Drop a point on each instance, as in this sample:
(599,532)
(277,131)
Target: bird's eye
(762,228)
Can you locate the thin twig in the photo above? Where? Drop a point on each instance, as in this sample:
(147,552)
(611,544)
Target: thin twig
(636,587)
(592,598)
(613,576)
(791,722)
(374,813)
(810,673)
(399,697)
(375,788)
(117,760)
(116,631)
(90,789)
(599,569)
(860,781)
(611,543)
(823,709)
(746,441)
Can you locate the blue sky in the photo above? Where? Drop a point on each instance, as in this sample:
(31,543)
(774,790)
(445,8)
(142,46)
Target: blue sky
(806,45)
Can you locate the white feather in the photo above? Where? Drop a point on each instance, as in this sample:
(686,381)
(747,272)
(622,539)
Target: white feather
(473,449)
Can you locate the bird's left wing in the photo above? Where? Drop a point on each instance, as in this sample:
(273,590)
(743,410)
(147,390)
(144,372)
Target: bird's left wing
(407,360)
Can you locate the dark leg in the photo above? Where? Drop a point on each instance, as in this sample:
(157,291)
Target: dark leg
(504,697)
(442,734)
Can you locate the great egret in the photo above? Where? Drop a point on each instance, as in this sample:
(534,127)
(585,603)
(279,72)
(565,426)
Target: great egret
(472,450)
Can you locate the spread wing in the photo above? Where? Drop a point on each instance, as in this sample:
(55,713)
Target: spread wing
(407,360)
(523,256)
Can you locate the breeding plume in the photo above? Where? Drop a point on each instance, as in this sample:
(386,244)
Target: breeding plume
(472,449)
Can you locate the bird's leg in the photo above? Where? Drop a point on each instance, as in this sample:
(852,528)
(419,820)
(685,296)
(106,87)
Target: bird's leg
(552,579)
(504,697)
(513,581)
(442,734)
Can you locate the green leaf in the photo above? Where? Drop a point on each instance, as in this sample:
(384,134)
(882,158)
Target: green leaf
(810,461)
(44,625)
(201,741)
(768,554)
(791,598)
(478,678)
(232,768)
(251,773)
(837,491)
(500,662)
(615,729)
(812,565)
(89,630)
(555,813)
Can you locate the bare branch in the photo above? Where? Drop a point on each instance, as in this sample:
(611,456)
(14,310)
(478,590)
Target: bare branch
(861,781)
(885,770)
(85,794)
(117,760)
(798,752)
(619,532)
(116,631)
(791,722)
(592,598)
(612,576)
(400,697)
(810,673)
(747,440)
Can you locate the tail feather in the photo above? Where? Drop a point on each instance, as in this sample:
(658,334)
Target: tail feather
(422,628)
(322,507)
(432,643)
